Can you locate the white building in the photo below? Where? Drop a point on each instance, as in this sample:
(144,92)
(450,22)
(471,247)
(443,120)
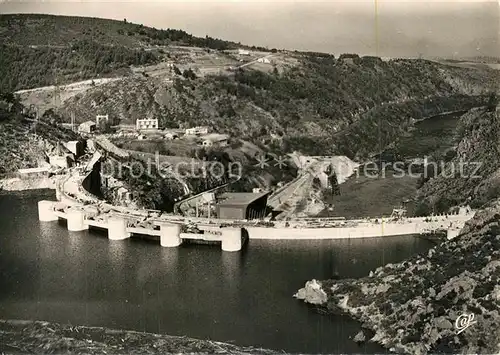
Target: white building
(146,123)
(264,60)
(243,52)
(61,161)
(75,147)
(100,118)
(220,140)
(195,131)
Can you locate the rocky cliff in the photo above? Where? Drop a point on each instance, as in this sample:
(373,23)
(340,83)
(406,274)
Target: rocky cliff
(472,174)
(412,306)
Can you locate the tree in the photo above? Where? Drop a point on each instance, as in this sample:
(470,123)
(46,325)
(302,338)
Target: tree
(177,70)
(105,126)
(492,101)
(189,74)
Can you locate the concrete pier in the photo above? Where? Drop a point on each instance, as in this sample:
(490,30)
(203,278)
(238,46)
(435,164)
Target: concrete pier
(117,228)
(170,235)
(46,211)
(231,239)
(76,220)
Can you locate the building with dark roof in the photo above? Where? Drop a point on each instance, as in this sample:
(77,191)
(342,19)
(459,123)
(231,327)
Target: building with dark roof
(242,205)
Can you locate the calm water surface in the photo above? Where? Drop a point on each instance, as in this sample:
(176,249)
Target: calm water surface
(48,273)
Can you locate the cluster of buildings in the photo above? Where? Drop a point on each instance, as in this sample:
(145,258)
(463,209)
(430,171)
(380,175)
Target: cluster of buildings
(151,125)
(206,138)
(56,160)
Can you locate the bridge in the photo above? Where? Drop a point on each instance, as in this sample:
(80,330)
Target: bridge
(82,211)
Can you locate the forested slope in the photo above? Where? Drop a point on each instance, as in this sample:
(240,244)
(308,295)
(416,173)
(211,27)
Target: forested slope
(41,50)
(322,105)
(472,174)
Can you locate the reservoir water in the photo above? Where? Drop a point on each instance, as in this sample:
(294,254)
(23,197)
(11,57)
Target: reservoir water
(48,273)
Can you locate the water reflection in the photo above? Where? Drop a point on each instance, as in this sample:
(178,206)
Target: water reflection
(117,253)
(232,266)
(82,278)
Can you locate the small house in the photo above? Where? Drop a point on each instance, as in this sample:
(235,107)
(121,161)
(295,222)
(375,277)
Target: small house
(195,131)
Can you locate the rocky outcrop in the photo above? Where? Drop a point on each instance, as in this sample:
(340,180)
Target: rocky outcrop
(312,293)
(413,306)
(360,337)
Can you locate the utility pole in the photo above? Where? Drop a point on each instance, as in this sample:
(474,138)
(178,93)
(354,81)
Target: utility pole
(73,121)
(36,119)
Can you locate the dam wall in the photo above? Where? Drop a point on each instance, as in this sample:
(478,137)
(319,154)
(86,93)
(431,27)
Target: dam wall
(361,230)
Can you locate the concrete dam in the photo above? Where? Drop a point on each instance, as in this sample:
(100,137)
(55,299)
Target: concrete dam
(83,210)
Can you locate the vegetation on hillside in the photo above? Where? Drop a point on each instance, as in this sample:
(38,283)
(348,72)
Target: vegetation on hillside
(53,31)
(23,142)
(472,174)
(27,67)
(352,106)
(41,50)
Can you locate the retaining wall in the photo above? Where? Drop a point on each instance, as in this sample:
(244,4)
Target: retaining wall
(366,230)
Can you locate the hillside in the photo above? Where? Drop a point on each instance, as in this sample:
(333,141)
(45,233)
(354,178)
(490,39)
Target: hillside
(52,30)
(41,50)
(320,105)
(471,173)
(22,142)
(314,102)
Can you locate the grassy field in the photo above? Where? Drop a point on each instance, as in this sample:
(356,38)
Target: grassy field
(371,197)
(363,196)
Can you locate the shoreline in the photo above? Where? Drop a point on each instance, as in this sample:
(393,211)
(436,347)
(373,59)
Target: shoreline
(17,184)
(40,337)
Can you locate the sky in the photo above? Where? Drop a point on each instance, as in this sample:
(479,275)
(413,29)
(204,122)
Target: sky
(404,28)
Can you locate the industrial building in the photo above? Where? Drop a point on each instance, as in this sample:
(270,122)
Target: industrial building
(242,205)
